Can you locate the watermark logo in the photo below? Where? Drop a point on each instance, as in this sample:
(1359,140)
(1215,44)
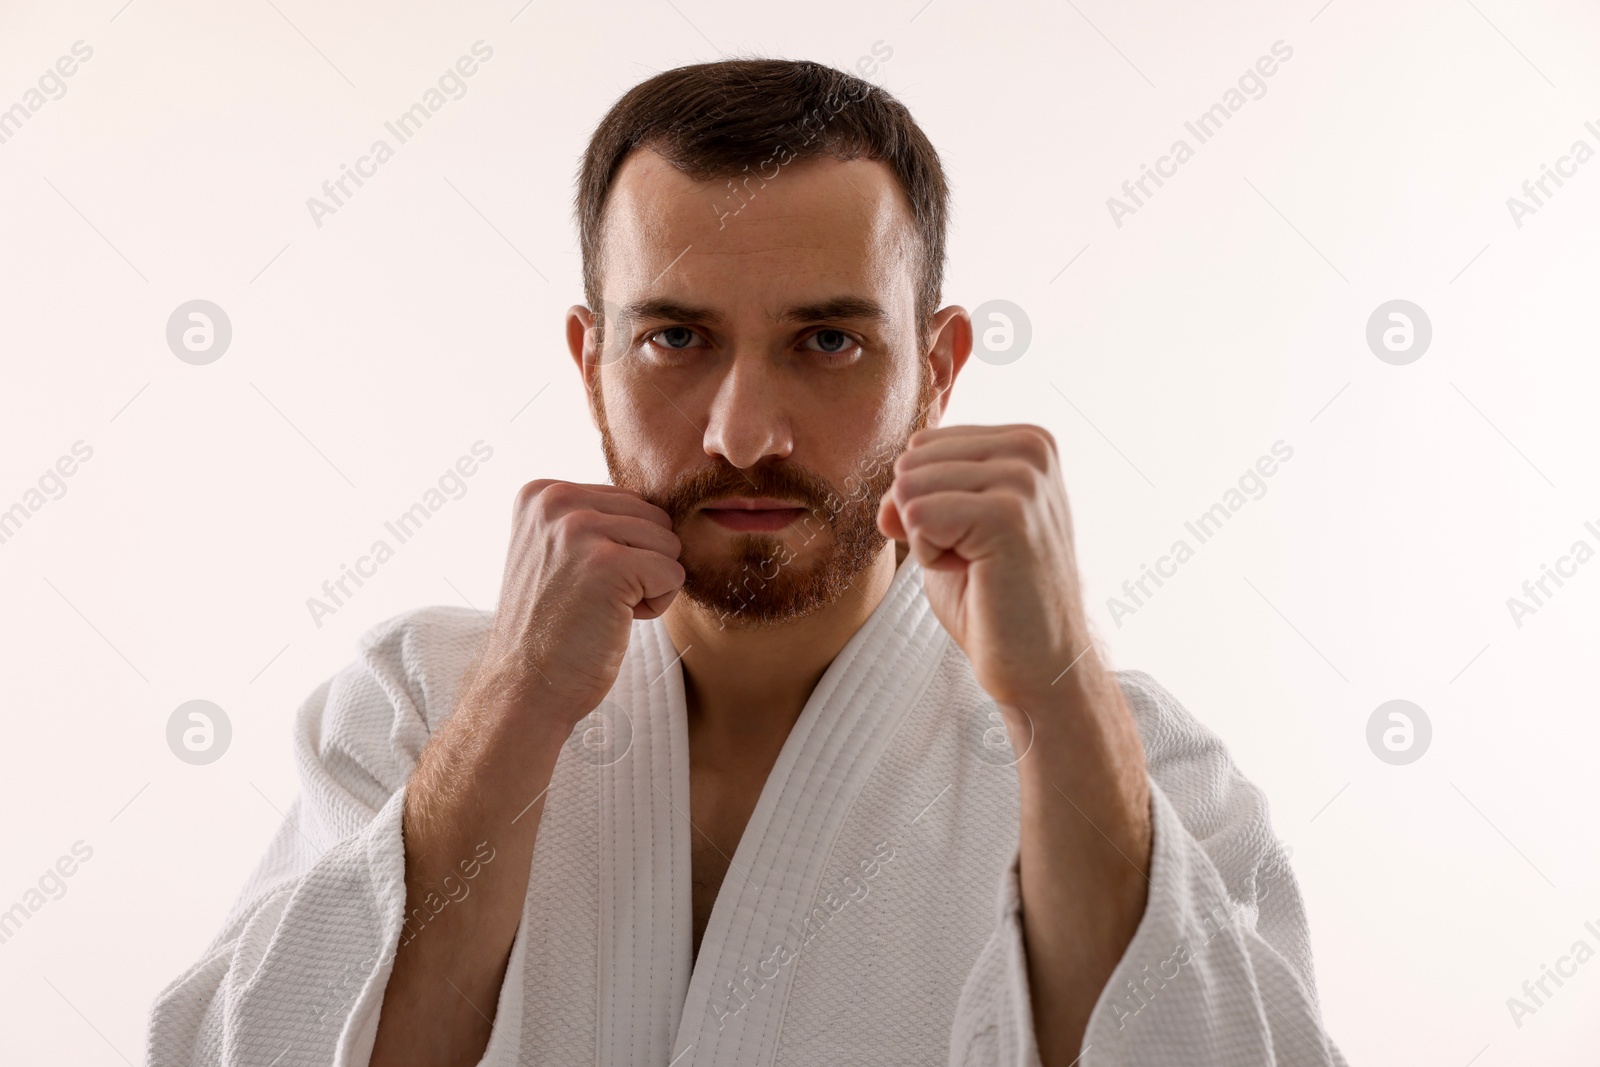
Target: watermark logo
(452,85)
(451,485)
(737,993)
(856,487)
(1136,192)
(1398,732)
(989,740)
(603,736)
(198,732)
(1399,332)
(455,890)
(52,885)
(1536,591)
(1001,332)
(803,133)
(1566,967)
(610,333)
(1566,167)
(51,486)
(52,86)
(199,332)
(1251,485)
(1143,987)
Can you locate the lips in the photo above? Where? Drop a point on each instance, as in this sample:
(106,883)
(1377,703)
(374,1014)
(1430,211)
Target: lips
(753,514)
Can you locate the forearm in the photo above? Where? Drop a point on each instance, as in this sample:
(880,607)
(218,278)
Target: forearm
(1084,850)
(478,788)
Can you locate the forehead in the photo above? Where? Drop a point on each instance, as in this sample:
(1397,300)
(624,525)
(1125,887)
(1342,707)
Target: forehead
(820,225)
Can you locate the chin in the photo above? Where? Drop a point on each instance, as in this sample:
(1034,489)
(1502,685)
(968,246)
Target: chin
(760,580)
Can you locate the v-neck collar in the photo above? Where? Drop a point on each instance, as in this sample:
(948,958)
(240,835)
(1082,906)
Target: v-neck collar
(657,1001)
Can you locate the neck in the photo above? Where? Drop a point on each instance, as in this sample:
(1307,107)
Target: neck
(745,687)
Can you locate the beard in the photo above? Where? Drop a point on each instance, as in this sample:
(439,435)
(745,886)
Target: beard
(758,581)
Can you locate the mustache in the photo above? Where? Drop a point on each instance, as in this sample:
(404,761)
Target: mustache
(785,480)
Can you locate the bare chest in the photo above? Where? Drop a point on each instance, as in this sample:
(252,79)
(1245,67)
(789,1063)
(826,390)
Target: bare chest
(720,806)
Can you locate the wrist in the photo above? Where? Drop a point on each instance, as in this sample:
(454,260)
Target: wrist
(1083,744)
(1082,688)
(516,694)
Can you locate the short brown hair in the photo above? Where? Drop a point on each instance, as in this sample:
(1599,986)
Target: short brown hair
(723,119)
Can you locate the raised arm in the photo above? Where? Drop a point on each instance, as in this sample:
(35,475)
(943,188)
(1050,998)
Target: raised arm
(379,925)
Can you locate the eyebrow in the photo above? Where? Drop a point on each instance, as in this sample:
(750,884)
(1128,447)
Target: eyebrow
(839,307)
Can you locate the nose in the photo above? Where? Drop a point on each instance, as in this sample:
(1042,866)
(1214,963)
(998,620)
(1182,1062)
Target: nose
(748,421)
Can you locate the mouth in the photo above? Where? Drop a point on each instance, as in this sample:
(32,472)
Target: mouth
(753,514)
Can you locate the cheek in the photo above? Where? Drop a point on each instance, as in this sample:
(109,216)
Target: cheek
(860,457)
(641,420)
(868,424)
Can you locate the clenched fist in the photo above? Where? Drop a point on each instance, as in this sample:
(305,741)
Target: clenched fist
(583,563)
(984,510)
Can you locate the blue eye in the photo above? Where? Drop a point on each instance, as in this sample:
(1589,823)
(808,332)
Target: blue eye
(828,338)
(836,345)
(684,334)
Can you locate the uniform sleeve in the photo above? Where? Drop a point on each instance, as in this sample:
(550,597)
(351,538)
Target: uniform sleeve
(1219,971)
(297,972)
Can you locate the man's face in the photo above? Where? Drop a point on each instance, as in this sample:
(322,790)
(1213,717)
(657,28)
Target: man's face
(756,375)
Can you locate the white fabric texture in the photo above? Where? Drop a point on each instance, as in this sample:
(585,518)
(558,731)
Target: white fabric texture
(870,914)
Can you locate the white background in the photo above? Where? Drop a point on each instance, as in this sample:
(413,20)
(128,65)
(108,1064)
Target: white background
(1228,313)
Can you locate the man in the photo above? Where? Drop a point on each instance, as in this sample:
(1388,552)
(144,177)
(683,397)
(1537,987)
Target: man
(791,746)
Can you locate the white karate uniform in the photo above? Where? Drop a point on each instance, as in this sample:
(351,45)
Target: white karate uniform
(870,914)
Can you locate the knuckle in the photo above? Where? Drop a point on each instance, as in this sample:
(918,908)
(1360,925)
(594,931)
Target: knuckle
(608,556)
(561,538)
(1024,477)
(912,512)
(579,522)
(545,496)
(560,496)
(1035,444)
(529,492)
(1013,510)
(906,483)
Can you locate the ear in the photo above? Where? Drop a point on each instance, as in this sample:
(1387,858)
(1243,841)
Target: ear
(582,345)
(951,329)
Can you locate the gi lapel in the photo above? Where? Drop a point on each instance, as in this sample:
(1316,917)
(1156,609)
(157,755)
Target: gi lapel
(603,950)
(645,902)
(734,1006)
